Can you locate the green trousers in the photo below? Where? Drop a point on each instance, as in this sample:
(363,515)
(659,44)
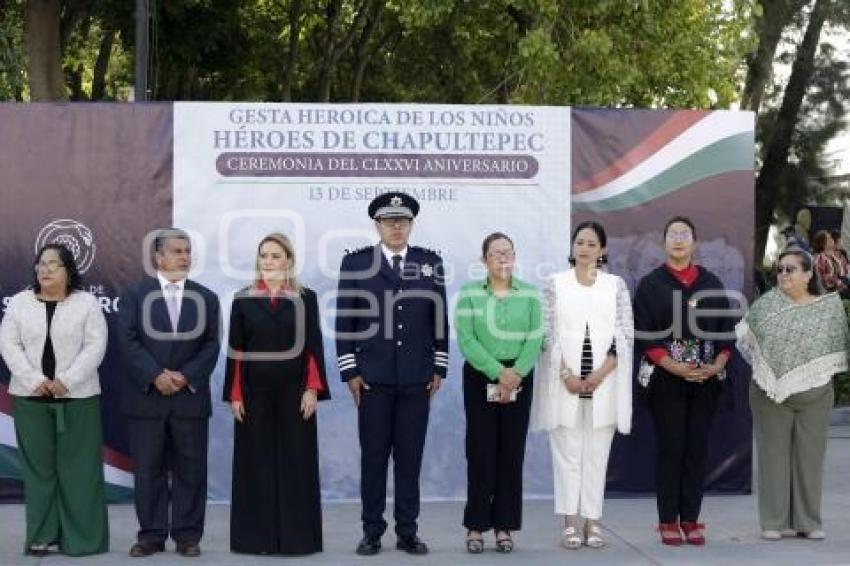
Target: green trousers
(60,452)
(791,446)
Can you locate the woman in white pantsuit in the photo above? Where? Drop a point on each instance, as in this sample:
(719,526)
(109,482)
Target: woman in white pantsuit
(584,392)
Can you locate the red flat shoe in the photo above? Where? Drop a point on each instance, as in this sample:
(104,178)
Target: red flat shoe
(670,534)
(694,532)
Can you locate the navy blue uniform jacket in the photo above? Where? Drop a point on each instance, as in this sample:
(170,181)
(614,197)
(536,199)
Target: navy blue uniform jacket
(390,329)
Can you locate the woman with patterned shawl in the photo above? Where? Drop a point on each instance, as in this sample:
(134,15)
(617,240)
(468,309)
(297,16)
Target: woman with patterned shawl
(796,339)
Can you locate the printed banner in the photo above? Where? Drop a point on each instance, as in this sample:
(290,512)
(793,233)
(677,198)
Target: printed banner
(310,171)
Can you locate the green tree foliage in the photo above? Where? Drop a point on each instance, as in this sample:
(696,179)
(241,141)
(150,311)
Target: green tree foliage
(801,114)
(639,53)
(657,53)
(12,60)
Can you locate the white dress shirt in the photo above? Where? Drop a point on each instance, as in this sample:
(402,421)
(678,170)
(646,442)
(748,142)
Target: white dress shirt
(388,253)
(168,293)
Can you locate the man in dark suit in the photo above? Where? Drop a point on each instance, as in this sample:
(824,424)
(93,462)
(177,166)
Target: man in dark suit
(392,348)
(170,336)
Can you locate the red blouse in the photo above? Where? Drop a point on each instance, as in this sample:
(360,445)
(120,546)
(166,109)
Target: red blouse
(314,382)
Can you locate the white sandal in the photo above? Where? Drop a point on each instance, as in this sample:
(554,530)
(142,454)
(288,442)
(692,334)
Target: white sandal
(571,539)
(593,536)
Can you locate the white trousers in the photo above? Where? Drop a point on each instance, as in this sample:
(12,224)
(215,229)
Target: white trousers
(580,462)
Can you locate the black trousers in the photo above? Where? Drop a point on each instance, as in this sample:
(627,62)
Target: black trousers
(170,457)
(392,420)
(276,502)
(682,413)
(495,449)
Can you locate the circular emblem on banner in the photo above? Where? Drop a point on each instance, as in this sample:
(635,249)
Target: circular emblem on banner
(75,236)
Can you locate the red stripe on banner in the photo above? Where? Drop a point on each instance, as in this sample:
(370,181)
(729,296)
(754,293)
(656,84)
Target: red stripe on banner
(117,459)
(672,127)
(5,399)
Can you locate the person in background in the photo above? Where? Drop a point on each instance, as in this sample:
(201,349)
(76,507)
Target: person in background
(586,393)
(829,264)
(500,332)
(53,338)
(839,247)
(686,338)
(796,340)
(274,378)
(844,260)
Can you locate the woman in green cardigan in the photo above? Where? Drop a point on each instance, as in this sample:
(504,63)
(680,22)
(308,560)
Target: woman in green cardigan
(499,329)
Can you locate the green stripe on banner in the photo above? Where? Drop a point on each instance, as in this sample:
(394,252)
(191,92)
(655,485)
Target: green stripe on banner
(118,493)
(734,153)
(9,465)
(10,468)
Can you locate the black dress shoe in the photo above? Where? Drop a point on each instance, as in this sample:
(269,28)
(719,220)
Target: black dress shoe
(412,545)
(368,546)
(146,548)
(188,549)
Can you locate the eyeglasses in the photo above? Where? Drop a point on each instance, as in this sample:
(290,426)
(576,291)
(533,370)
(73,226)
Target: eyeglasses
(789,269)
(683,236)
(400,222)
(51,265)
(506,254)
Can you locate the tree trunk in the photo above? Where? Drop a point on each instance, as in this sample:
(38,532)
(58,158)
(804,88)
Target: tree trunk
(292,52)
(71,13)
(503,92)
(98,86)
(779,141)
(333,49)
(74,82)
(331,17)
(44,66)
(74,75)
(363,50)
(775,17)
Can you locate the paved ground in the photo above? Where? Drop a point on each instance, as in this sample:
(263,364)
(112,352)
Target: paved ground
(732,534)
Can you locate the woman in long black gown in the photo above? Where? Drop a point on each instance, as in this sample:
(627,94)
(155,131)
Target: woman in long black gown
(275,377)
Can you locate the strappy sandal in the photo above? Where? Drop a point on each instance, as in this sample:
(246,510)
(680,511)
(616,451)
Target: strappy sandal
(474,545)
(670,534)
(593,536)
(571,539)
(694,532)
(505,545)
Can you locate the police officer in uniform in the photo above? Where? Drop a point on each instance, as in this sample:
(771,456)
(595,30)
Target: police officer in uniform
(392,347)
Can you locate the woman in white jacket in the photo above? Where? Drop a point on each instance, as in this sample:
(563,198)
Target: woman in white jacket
(53,338)
(584,391)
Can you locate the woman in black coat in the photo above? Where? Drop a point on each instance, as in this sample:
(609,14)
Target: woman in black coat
(686,340)
(275,376)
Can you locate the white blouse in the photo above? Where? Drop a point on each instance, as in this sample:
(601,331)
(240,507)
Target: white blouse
(79,335)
